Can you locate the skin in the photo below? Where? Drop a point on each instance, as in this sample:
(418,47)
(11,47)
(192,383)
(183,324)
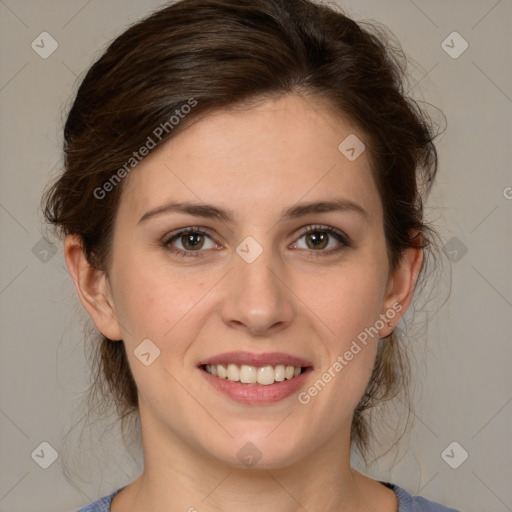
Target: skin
(293,298)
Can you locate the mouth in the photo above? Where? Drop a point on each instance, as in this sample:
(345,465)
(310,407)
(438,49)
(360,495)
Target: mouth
(254,375)
(256,379)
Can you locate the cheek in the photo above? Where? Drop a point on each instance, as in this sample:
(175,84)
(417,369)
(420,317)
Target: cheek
(348,300)
(153,305)
(151,301)
(349,303)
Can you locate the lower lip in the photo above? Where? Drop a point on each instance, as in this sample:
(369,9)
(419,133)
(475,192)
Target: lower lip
(257,394)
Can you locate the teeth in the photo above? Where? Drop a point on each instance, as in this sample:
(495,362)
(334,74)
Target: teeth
(233,372)
(264,375)
(221,371)
(279,372)
(248,374)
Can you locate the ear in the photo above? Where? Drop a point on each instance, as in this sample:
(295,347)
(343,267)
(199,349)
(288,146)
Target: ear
(93,289)
(401,287)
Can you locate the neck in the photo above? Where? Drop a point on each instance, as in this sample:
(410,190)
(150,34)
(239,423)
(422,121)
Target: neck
(178,476)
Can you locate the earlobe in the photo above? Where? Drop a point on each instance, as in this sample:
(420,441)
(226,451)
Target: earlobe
(401,288)
(93,289)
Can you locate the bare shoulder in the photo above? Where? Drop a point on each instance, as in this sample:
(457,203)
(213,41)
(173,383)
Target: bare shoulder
(123,500)
(374,495)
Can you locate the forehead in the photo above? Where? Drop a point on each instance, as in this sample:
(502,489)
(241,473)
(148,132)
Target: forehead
(279,151)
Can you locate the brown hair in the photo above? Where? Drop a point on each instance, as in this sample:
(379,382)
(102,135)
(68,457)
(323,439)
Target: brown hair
(216,54)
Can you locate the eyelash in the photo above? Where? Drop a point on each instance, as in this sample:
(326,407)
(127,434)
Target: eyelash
(338,235)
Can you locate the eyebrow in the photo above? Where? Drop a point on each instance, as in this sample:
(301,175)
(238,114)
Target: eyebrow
(294,212)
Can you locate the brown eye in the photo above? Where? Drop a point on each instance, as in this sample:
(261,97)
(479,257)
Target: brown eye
(323,239)
(189,240)
(192,241)
(317,240)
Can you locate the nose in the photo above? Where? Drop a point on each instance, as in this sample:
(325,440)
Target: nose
(258,297)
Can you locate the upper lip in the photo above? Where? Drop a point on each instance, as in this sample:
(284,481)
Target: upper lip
(248,358)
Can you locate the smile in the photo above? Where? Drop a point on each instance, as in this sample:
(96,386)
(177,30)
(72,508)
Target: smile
(256,379)
(249,374)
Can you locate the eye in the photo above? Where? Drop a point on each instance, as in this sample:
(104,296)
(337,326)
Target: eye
(189,240)
(323,239)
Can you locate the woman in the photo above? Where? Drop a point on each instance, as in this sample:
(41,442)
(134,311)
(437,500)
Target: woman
(242,211)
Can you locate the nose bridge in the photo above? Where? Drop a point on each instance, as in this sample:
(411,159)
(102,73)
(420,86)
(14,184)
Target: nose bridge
(258,300)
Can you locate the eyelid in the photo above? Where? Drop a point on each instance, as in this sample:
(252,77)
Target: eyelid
(313,228)
(166,240)
(182,231)
(300,233)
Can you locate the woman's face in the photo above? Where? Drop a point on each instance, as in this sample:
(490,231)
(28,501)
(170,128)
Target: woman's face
(248,284)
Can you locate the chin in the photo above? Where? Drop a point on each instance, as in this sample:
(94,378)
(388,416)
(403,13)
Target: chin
(259,453)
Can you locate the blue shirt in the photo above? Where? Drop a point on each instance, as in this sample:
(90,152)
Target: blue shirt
(406,502)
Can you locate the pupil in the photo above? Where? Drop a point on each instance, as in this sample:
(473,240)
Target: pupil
(190,240)
(318,239)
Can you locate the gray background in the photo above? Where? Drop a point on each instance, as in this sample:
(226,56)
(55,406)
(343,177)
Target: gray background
(463,375)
